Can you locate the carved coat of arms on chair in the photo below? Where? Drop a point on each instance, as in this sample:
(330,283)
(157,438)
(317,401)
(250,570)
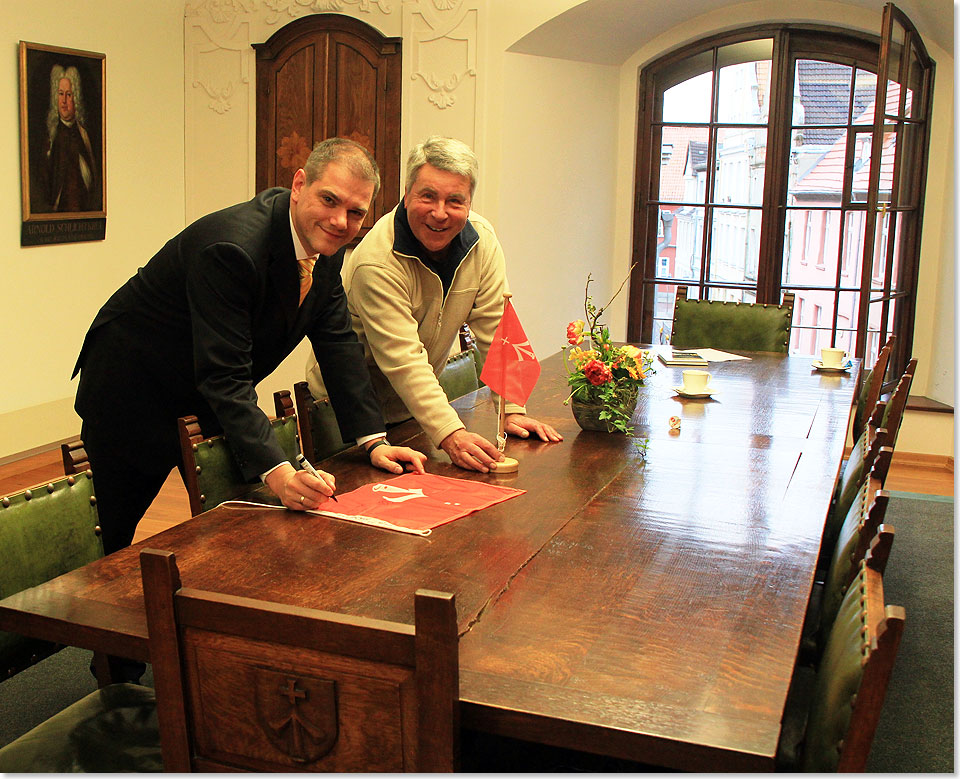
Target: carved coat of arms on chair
(297,713)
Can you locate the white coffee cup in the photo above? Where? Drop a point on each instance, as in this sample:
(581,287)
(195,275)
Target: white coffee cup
(696,381)
(832,358)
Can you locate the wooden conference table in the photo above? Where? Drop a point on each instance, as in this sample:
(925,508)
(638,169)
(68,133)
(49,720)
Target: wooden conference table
(645,610)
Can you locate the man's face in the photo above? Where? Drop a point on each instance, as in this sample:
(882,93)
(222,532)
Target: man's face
(438,205)
(328,214)
(65,103)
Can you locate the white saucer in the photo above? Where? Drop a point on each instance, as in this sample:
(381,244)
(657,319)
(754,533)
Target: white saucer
(818,364)
(687,394)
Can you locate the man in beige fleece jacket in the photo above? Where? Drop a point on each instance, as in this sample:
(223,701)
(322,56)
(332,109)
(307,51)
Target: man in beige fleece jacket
(423,270)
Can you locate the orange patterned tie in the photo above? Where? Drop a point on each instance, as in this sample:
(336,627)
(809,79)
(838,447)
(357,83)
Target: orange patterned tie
(306,276)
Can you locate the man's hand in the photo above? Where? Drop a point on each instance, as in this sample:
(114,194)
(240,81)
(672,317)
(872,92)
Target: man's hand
(300,490)
(522,426)
(470,451)
(392,458)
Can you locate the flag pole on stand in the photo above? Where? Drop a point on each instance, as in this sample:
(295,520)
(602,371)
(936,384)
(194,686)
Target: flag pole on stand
(511,370)
(509,464)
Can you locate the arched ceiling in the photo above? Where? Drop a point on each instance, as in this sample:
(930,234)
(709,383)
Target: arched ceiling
(607,32)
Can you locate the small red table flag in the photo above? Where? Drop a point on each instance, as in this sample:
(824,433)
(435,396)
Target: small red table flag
(511,369)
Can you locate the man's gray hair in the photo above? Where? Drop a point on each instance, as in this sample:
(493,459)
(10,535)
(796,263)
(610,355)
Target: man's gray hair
(350,154)
(447,154)
(53,115)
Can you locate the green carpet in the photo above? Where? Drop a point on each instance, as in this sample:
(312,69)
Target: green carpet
(40,691)
(916,728)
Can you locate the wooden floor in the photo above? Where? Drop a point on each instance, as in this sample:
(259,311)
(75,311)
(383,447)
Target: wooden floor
(171,505)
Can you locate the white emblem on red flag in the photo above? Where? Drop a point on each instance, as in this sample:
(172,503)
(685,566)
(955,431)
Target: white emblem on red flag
(406,494)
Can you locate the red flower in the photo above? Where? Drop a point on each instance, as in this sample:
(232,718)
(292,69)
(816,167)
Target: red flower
(575,332)
(597,373)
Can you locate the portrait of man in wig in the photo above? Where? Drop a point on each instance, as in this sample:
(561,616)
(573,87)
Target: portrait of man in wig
(71,168)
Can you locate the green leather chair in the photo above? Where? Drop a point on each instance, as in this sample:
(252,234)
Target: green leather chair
(460,375)
(870,456)
(831,716)
(45,531)
(862,532)
(210,471)
(867,459)
(111,730)
(890,415)
(870,389)
(319,430)
(749,327)
(852,679)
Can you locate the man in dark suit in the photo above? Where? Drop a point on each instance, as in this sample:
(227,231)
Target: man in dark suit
(210,315)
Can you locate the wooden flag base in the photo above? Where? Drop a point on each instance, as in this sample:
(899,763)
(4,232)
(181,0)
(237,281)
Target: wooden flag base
(509,465)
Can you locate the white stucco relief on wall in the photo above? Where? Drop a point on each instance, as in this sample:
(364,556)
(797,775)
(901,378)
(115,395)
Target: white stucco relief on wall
(444,32)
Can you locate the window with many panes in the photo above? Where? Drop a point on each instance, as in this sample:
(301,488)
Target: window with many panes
(757,174)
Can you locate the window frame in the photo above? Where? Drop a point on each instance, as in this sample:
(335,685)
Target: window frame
(791,42)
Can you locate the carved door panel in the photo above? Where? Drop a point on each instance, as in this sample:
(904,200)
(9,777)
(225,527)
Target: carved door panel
(321,76)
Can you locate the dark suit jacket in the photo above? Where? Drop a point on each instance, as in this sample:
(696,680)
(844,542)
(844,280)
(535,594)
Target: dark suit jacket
(209,316)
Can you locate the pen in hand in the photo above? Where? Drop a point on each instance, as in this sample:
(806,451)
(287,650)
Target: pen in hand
(305,464)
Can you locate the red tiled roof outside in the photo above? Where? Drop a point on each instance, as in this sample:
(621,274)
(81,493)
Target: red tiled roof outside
(671,174)
(827,174)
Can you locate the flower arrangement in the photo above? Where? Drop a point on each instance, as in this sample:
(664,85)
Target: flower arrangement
(604,375)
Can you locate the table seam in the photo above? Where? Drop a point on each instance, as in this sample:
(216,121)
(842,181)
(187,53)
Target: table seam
(495,597)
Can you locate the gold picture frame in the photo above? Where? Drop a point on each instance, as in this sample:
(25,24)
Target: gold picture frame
(62,144)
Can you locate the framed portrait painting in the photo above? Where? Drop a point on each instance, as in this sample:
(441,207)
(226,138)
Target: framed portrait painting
(62,145)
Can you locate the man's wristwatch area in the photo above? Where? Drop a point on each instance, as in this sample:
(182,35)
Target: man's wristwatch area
(375,444)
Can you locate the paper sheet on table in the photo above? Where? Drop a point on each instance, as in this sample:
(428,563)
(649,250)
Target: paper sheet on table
(715,355)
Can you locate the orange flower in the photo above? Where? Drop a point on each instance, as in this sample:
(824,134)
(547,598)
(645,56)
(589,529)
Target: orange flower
(579,356)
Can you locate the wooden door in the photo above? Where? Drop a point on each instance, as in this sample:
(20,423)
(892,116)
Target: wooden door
(328,75)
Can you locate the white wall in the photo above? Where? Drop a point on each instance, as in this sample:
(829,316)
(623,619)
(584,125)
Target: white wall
(556,208)
(51,293)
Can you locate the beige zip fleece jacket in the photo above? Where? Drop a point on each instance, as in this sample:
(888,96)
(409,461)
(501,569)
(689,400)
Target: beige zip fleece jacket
(408,330)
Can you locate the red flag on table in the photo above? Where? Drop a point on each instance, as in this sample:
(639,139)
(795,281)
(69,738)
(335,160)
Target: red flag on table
(416,502)
(511,369)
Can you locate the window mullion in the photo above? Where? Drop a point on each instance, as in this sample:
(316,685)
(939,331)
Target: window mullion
(773,220)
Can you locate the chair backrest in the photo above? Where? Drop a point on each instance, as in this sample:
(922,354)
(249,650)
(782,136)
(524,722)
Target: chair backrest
(246,684)
(320,435)
(870,389)
(890,415)
(75,459)
(459,375)
(210,471)
(45,531)
(468,342)
(862,531)
(753,327)
(858,469)
(853,676)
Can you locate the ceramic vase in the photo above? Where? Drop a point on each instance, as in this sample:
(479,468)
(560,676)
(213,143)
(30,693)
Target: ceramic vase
(588,414)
